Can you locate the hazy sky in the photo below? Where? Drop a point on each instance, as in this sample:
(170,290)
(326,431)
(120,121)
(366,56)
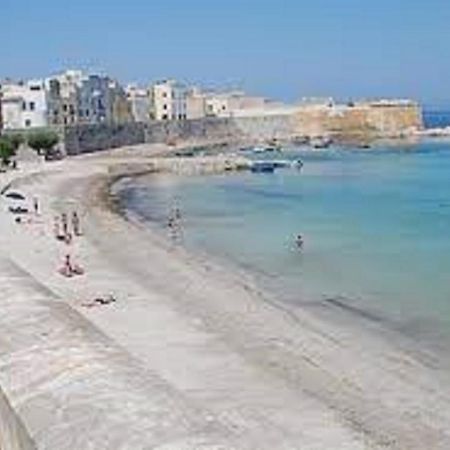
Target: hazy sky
(281,48)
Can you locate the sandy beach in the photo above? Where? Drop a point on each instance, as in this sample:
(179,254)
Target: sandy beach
(190,355)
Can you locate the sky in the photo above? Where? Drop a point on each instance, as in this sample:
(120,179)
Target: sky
(283,49)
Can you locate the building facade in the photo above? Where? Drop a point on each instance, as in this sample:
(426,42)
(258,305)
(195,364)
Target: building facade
(139,100)
(76,98)
(195,104)
(120,111)
(229,104)
(24,105)
(63,92)
(168,100)
(94,100)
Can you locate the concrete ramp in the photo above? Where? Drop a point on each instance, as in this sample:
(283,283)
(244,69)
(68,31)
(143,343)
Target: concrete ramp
(13,434)
(70,387)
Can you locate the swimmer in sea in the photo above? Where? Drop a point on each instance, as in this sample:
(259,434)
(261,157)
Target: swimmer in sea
(299,241)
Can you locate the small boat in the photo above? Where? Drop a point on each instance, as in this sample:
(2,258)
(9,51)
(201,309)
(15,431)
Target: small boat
(300,140)
(263,167)
(320,142)
(268,149)
(185,153)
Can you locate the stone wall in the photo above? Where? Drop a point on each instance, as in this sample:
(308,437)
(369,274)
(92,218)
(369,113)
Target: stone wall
(207,129)
(91,138)
(361,121)
(365,119)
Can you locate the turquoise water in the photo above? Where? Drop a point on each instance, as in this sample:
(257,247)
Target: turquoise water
(376,226)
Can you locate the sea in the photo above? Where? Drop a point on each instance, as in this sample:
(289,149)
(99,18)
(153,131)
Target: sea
(375,226)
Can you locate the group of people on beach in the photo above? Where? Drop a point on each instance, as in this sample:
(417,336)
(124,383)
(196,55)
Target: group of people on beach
(174,225)
(65,231)
(62,230)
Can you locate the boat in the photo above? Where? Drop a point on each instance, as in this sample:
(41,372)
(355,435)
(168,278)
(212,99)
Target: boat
(320,142)
(300,140)
(263,167)
(268,149)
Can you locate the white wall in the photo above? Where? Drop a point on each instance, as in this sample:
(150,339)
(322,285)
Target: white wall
(24,105)
(169,101)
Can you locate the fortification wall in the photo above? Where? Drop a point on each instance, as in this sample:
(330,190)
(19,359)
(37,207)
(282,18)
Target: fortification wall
(90,138)
(362,120)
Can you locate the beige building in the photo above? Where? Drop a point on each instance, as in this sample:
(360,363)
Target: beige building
(195,104)
(229,104)
(119,104)
(168,100)
(139,100)
(223,104)
(63,97)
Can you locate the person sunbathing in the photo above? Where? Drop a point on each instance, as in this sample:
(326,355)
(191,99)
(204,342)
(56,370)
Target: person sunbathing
(100,301)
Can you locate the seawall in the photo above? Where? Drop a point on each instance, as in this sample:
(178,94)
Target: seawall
(13,435)
(365,120)
(360,121)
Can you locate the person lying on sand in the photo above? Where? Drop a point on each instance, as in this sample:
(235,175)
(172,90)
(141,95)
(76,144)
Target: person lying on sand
(100,301)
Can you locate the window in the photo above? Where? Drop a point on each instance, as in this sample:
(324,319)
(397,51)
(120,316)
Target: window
(28,123)
(165,107)
(24,106)
(32,106)
(35,88)
(64,107)
(164,94)
(164,117)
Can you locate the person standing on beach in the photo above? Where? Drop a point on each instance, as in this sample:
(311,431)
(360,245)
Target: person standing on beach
(76,224)
(174,224)
(36,205)
(64,222)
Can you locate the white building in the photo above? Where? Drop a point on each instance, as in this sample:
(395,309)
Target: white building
(229,104)
(24,105)
(168,100)
(139,100)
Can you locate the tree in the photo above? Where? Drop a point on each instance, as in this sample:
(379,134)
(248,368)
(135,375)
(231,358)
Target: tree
(15,140)
(43,141)
(6,151)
